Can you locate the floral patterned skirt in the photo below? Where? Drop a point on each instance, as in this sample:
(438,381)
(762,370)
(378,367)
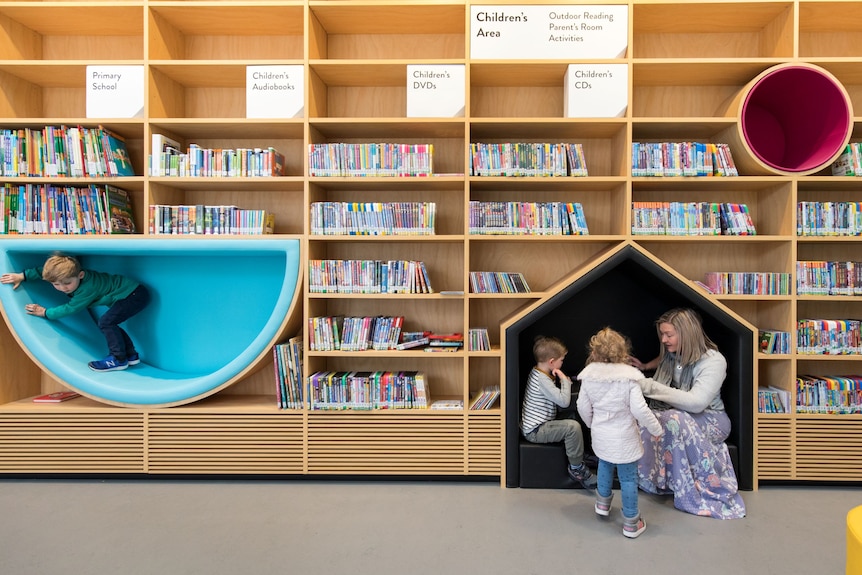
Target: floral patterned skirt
(691,461)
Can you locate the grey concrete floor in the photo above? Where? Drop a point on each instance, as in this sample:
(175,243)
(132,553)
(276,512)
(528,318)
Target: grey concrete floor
(168,527)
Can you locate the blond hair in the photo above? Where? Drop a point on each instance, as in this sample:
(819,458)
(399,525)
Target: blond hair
(59,267)
(609,346)
(693,342)
(547,348)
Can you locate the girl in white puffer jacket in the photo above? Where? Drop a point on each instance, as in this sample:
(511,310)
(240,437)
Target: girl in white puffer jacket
(612,405)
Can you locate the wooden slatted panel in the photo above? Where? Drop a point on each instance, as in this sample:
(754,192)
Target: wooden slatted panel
(829,449)
(390,444)
(484,444)
(225,443)
(72,443)
(775,448)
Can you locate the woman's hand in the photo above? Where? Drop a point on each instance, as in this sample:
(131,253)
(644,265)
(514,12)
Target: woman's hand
(14,278)
(35,309)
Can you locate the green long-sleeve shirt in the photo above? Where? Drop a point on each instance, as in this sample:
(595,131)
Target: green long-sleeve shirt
(96,288)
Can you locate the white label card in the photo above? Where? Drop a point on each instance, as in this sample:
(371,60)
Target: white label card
(435,90)
(596,90)
(274,91)
(115,91)
(548,32)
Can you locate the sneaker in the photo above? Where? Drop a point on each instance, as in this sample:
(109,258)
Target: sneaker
(133,359)
(583,475)
(632,527)
(591,461)
(603,504)
(108,364)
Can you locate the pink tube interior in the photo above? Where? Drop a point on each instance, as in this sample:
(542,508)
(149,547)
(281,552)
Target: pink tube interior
(796,119)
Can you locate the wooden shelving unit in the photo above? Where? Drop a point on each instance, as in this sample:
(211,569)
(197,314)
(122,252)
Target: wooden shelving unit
(686,62)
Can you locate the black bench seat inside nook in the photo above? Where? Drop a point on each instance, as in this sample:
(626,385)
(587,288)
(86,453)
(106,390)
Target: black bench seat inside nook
(628,291)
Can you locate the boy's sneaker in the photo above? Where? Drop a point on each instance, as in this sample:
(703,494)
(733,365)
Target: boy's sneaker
(583,475)
(633,526)
(133,359)
(108,364)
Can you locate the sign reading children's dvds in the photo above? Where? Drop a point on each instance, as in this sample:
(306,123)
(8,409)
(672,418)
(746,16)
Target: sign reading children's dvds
(115,91)
(548,32)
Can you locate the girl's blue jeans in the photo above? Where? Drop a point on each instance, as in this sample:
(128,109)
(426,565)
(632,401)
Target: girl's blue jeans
(628,476)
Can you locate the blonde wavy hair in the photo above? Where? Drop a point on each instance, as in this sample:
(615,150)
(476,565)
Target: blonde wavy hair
(609,346)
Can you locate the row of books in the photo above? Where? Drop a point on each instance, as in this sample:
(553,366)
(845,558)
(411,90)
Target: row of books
(63,151)
(478,340)
(367,390)
(528,218)
(485,398)
(370,160)
(335,333)
(498,282)
(49,209)
(527,159)
(199,162)
(691,219)
(773,400)
(828,337)
(373,218)
(774,341)
(287,360)
(208,220)
(828,218)
(368,276)
(837,394)
(828,278)
(748,283)
(674,159)
(849,163)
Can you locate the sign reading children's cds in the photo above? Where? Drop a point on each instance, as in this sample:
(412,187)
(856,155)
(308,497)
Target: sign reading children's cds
(274,92)
(548,32)
(115,91)
(435,90)
(596,90)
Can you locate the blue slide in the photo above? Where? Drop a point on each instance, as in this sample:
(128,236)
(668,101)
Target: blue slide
(217,306)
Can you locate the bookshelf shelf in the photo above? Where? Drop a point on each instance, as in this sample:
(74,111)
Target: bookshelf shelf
(687,64)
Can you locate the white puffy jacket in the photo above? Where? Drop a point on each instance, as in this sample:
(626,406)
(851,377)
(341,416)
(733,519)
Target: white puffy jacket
(612,405)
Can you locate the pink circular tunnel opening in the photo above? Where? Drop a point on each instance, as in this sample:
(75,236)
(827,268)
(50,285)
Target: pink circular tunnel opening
(796,119)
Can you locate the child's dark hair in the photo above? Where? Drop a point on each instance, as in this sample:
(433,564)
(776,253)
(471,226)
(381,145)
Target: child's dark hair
(545,348)
(60,267)
(609,346)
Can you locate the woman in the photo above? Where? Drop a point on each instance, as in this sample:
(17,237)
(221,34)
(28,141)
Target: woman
(690,459)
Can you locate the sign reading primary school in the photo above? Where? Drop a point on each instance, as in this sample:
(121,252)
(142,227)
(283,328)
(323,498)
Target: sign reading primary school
(548,32)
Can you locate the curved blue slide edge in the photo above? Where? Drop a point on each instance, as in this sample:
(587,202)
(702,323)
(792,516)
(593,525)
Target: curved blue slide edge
(216,306)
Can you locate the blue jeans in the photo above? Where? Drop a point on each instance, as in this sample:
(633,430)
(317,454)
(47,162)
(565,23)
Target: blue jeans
(566,430)
(628,475)
(119,343)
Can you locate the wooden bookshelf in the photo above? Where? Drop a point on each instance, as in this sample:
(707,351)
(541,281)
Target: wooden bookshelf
(686,62)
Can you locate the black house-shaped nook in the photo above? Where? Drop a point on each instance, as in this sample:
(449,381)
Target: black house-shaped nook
(626,288)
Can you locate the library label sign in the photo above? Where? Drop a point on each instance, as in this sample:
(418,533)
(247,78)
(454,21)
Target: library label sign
(274,91)
(115,91)
(596,91)
(548,32)
(435,90)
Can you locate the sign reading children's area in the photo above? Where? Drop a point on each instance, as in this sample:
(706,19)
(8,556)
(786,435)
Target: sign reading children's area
(548,32)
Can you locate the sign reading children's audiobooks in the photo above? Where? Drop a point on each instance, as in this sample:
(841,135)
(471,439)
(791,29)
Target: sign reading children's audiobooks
(548,32)
(435,90)
(274,92)
(115,91)
(596,90)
